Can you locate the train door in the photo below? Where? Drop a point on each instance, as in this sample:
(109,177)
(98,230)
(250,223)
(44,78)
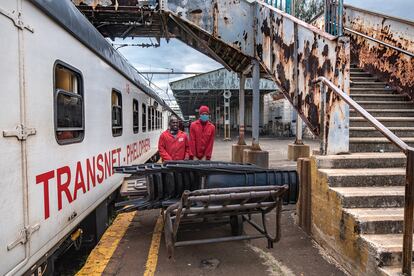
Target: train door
(13,234)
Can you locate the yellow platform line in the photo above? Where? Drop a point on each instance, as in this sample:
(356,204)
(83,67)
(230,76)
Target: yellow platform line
(152,259)
(103,251)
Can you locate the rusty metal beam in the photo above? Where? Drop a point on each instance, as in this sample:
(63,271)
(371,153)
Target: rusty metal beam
(410,54)
(201,42)
(164,27)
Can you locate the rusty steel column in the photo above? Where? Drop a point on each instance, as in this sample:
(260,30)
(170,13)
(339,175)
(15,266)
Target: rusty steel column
(408,214)
(299,134)
(255,104)
(241,110)
(255,155)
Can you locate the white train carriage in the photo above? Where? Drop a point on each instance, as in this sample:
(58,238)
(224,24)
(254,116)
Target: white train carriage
(72,108)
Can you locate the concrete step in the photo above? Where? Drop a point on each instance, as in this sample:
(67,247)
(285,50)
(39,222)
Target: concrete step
(366,177)
(371,197)
(360,74)
(401,132)
(376,220)
(363,78)
(376,144)
(356,69)
(362,160)
(386,247)
(386,104)
(378,97)
(387,121)
(383,91)
(371,89)
(366,84)
(394,270)
(385,112)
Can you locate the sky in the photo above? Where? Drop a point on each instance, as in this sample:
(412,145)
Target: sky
(180,57)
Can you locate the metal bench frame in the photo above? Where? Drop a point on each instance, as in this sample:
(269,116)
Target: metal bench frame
(236,202)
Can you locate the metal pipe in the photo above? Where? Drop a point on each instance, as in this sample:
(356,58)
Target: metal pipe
(340,18)
(217,240)
(380,42)
(222,209)
(241,109)
(407,252)
(238,190)
(172,72)
(233,196)
(255,104)
(379,126)
(23,147)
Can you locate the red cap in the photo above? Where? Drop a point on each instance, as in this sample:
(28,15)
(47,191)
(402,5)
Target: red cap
(203,109)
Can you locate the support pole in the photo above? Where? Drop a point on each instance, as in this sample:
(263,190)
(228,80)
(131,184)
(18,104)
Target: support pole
(255,155)
(297,149)
(255,104)
(237,150)
(241,110)
(299,134)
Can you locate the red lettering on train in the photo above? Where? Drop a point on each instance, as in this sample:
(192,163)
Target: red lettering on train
(63,187)
(86,174)
(90,173)
(79,181)
(108,170)
(44,178)
(137,149)
(100,168)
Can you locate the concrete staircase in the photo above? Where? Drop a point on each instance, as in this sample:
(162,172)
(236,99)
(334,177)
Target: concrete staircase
(394,110)
(358,199)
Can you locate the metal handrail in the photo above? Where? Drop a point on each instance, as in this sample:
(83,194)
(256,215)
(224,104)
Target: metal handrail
(378,125)
(380,42)
(409,151)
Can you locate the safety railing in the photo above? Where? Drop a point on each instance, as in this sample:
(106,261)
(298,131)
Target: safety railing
(325,84)
(380,42)
(283,5)
(333,17)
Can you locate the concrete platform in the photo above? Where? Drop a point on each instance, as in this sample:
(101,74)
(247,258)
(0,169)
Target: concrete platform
(141,250)
(296,151)
(257,157)
(237,152)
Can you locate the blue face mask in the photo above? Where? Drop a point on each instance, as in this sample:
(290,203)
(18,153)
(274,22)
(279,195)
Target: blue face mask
(204,117)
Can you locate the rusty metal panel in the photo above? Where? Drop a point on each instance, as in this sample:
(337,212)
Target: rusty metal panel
(318,54)
(388,64)
(228,20)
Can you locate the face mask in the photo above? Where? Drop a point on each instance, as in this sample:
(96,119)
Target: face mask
(204,117)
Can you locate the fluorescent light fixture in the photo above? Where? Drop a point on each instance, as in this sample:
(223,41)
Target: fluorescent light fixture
(199,91)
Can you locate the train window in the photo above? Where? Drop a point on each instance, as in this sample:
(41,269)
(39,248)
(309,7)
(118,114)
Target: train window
(149,118)
(152,118)
(116,103)
(144,118)
(69,105)
(160,120)
(135,114)
(155,119)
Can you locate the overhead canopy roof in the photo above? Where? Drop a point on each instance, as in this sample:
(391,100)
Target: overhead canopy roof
(207,88)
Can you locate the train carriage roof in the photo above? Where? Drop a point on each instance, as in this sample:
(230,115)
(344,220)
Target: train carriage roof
(68,16)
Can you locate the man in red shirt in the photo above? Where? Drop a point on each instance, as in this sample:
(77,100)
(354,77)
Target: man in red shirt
(173,143)
(202,133)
